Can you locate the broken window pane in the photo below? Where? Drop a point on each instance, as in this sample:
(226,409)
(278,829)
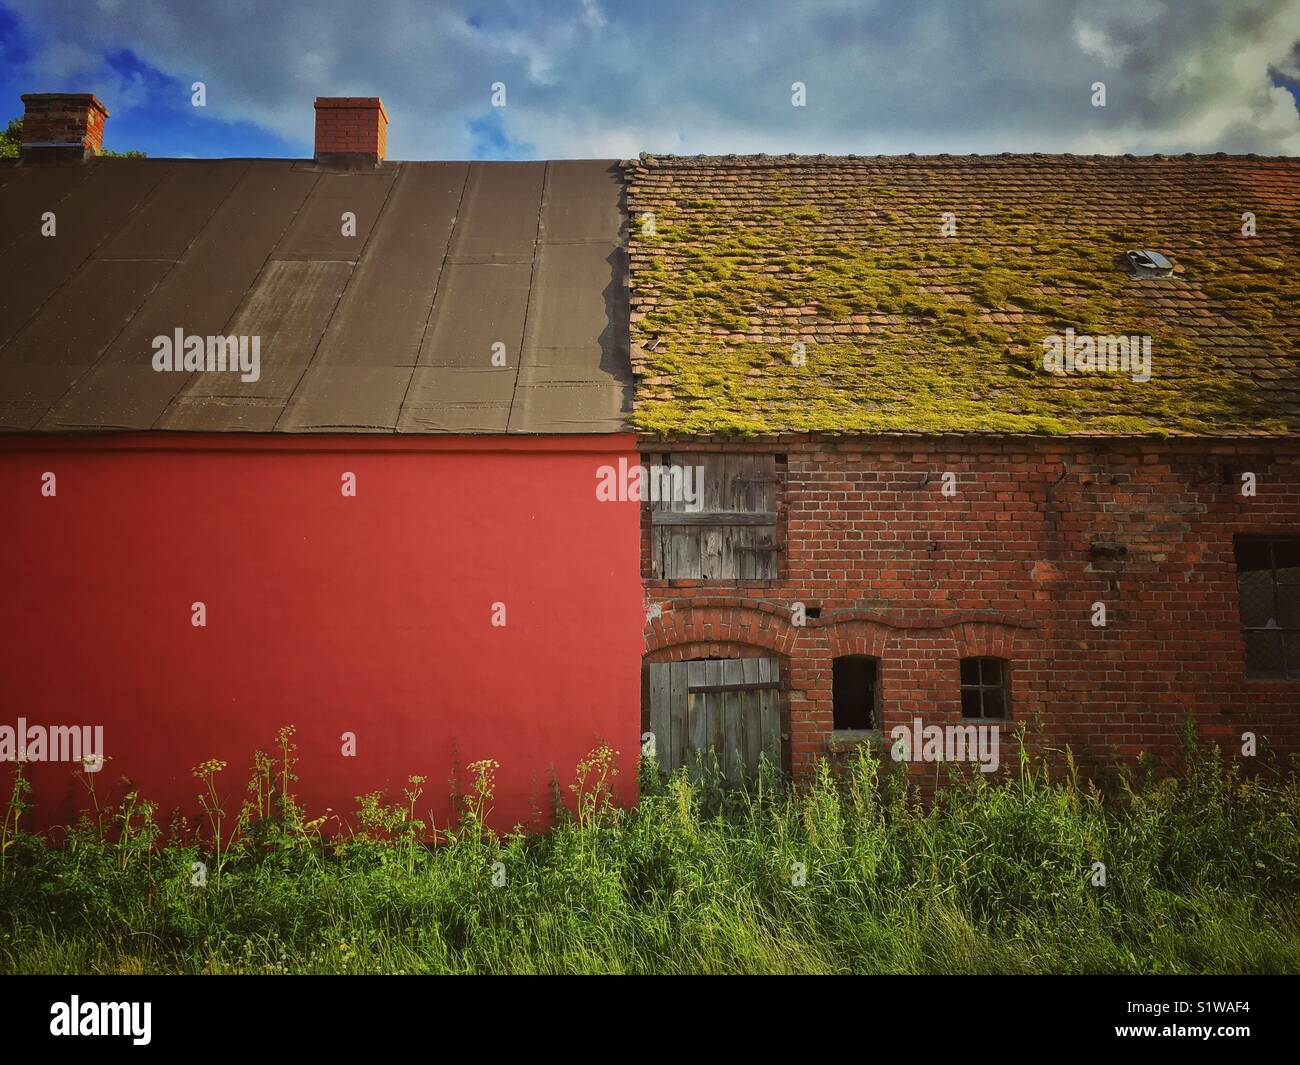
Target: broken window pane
(1264,654)
(853,692)
(1286,558)
(1254,555)
(994,704)
(1291,648)
(1268,587)
(1288,607)
(1255,589)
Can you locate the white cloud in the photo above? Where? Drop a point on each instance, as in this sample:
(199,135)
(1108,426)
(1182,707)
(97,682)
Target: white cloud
(694,76)
(1096,43)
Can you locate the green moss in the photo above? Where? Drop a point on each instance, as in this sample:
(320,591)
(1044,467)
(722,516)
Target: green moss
(941,363)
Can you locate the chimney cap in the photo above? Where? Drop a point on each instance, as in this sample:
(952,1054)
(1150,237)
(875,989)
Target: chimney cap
(86,99)
(354,102)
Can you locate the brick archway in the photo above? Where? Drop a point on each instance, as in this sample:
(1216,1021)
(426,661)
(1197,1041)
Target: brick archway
(713,627)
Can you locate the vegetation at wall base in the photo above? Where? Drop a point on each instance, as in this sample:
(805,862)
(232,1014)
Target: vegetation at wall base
(1202,872)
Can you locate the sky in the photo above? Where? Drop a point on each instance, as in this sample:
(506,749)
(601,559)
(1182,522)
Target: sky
(611,78)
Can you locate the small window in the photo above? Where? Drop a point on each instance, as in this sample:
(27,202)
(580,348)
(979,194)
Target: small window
(1146,262)
(984,689)
(1268,591)
(854,691)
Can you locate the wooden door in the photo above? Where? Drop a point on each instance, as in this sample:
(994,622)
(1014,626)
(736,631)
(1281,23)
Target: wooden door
(730,706)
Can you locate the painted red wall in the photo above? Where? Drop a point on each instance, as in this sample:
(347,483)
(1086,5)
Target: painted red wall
(368,615)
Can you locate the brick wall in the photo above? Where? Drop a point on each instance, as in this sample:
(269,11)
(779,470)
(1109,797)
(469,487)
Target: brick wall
(1006,567)
(351,126)
(69,122)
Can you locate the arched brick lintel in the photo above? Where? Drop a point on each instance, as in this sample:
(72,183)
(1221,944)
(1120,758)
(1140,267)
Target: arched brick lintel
(701,627)
(986,639)
(857,636)
(707,628)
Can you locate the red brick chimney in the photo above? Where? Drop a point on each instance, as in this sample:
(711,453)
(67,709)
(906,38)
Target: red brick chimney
(62,126)
(351,131)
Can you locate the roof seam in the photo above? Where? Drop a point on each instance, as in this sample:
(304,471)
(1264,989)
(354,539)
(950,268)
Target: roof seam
(352,273)
(193,378)
(18,233)
(532,283)
(126,323)
(76,271)
(433,298)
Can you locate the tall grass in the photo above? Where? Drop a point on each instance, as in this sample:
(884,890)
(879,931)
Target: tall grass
(1201,875)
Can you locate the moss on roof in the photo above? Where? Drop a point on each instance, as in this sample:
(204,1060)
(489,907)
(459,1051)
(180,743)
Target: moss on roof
(906,329)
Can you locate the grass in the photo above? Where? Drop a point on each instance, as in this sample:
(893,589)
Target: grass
(1201,875)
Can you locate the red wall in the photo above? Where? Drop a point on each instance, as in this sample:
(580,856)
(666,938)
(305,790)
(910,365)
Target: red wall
(1004,567)
(368,614)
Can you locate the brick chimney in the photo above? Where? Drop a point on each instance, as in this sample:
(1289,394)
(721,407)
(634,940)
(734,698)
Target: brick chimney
(62,126)
(351,131)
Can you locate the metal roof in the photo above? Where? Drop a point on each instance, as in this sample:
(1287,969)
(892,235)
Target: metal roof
(392,329)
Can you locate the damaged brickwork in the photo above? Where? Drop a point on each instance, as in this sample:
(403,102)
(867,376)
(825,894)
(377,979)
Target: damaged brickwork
(923,551)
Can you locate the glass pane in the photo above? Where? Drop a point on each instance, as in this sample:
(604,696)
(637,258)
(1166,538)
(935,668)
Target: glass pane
(1286,557)
(1291,643)
(970,702)
(1255,590)
(1264,654)
(1288,607)
(992,671)
(995,704)
(970,670)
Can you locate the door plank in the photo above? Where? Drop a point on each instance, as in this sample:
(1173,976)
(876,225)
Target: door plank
(732,759)
(678,714)
(661,710)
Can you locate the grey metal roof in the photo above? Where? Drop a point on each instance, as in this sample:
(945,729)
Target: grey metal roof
(390,330)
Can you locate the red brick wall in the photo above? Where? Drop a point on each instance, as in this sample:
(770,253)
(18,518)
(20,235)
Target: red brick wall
(351,125)
(75,120)
(1004,567)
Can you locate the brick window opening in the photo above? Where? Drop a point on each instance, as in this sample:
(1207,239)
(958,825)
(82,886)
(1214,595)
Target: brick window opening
(855,690)
(984,688)
(1268,590)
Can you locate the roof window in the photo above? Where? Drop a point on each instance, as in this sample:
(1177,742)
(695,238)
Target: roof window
(1148,263)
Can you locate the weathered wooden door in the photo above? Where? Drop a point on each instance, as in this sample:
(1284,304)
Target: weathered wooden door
(731,706)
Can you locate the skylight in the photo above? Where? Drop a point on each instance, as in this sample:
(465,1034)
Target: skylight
(1148,263)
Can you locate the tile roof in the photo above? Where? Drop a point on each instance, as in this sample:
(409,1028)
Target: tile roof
(735,261)
(390,330)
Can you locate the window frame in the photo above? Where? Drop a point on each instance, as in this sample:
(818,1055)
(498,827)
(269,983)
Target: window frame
(1290,673)
(1002,686)
(877,725)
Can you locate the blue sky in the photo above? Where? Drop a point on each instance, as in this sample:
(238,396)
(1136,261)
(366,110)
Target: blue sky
(609,78)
